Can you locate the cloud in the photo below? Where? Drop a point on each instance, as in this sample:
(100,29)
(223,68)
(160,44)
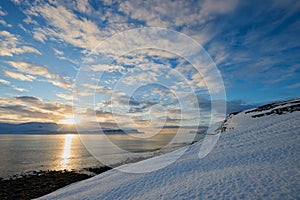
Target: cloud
(33,69)
(67,26)
(36,70)
(110,68)
(5,82)
(29,20)
(83,6)
(18,89)
(10,45)
(17,2)
(4,23)
(231,106)
(31,109)
(19,76)
(292,86)
(29,99)
(64,96)
(60,55)
(186,15)
(57,52)
(2,12)
(71,22)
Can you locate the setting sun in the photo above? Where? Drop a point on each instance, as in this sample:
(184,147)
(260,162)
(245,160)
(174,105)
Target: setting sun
(69,120)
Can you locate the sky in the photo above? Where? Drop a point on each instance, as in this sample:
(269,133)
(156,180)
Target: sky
(46,46)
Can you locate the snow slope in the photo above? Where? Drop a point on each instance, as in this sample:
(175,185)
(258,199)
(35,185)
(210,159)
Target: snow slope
(255,158)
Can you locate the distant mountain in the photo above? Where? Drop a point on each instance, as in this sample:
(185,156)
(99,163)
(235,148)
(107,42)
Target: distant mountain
(53,128)
(34,128)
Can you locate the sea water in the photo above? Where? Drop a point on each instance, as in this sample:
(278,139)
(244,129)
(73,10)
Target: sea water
(25,152)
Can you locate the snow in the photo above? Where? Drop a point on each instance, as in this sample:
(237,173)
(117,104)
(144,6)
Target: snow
(255,158)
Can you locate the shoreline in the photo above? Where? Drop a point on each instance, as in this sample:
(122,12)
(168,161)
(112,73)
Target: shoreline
(39,183)
(34,184)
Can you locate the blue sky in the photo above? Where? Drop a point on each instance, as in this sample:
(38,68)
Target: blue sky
(254,44)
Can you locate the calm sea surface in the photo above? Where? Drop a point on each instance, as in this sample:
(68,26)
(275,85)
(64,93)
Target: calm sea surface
(23,153)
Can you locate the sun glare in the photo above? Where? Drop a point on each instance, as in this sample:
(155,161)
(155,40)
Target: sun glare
(69,120)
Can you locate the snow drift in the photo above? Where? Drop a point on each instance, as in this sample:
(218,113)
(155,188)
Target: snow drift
(256,157)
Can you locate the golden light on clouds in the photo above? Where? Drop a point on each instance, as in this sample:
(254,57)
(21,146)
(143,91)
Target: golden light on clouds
(69,120)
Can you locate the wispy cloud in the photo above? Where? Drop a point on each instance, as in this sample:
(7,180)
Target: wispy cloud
(5,82)
(67,97)
(172,14)
(68,27)
(58,52)
(2,12)
(9,84)
(41,71)
(2,21)
(10,45)
(296,85)
(19,76)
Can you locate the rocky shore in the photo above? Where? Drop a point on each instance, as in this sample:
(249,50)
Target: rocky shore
(36,184)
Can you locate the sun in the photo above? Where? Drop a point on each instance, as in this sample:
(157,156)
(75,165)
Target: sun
(69,120)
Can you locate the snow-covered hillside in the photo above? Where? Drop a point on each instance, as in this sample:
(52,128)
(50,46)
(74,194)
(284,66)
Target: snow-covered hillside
(256,157)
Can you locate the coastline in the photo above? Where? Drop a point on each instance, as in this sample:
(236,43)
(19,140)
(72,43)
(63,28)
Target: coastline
(38,183)
(34,184)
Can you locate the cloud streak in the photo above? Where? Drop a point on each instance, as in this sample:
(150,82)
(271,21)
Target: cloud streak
(34,70)
(19,76)
(10,45)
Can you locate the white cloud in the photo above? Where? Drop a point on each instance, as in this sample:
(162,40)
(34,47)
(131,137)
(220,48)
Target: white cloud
(40,34)
(194,18)
(36,70)
(18,2)
(5,82)
(2,12)
(176,13)
(58,52)
(10,45)
(19,89)
(64,96)
(109,68)
(33,69)
(62,83)
(79,32)
(60,55)
(4,23)
(83,6)
(29,20)
(21,77)
(63,24)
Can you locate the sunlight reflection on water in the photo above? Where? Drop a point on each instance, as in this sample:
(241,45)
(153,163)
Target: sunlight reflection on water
(66,154)
(25,152)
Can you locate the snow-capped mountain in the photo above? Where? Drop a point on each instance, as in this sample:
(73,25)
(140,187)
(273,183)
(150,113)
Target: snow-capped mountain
(256,157)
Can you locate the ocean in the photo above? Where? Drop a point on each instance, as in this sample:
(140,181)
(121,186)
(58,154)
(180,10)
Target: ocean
(22,153)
